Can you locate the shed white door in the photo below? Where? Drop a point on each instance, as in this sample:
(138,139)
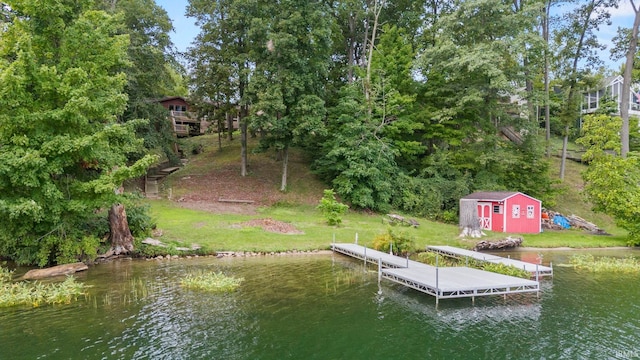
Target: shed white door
(484,213)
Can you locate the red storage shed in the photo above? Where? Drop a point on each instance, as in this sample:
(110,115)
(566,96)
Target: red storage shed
(506,211)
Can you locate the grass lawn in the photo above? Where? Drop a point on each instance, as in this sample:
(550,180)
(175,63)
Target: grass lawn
(222,232)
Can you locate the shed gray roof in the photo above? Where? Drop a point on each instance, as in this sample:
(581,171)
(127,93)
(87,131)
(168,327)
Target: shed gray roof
(490,195)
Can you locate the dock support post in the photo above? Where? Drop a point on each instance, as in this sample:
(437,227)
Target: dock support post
(391,248)
(538,281)
(379,270)
(365,258)
(356,238)
(407,260)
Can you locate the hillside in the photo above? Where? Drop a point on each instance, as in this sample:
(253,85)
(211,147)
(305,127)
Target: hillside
(191,195)
(214,174)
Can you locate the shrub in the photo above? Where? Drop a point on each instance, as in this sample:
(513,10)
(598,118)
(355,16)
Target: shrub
(331,208)
(402,242)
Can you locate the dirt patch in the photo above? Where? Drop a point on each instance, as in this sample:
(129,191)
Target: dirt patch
(220,207)
(274,226)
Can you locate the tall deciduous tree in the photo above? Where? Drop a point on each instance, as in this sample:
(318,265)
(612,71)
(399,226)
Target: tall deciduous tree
(62,153)
(152,70)
(220,58)
(578,46)
(292,48)
(627,78)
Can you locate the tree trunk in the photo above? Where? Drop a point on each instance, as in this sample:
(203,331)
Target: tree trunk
(121,238)
(285,168)
(243,142)
(351,44)
(229,119)
(547,113)
(626,83)
(219,134)
(565,143)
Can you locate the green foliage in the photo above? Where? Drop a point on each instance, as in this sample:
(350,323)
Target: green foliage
(291,59)
(355,159)
(210,281)
(505,270)
(62,152)
(429,257)
(138,216)
(402,242)
(37,293)
(627,265)
(331,208)
(611,182)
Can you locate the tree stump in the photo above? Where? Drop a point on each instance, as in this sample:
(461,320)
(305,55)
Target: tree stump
(120,236)
(469,219)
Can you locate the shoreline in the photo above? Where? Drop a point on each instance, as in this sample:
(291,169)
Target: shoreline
(566,248)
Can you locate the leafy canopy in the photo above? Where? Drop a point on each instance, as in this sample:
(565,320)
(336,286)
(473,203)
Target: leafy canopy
(62,152)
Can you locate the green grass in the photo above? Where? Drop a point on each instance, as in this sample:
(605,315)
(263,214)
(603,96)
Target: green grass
(37,293)
(211,282)
(221,232)
(445,261)
(606,264)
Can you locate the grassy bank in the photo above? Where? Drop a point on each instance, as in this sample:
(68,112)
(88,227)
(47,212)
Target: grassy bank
(225,232)
(214,174)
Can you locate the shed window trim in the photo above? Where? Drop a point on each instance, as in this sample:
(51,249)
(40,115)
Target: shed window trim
(515,211)
(497,209)
(530,211)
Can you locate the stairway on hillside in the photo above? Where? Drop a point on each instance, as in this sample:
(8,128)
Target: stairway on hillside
(151,188)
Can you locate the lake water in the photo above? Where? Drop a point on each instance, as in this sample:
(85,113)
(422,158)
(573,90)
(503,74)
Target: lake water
(323,307)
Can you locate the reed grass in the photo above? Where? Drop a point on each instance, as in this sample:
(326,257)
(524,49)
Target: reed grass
(446,261)
(628,265)
(210,281)
(37,293)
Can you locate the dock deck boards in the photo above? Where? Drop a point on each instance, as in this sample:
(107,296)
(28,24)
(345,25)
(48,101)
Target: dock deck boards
(541,270)
(441,282)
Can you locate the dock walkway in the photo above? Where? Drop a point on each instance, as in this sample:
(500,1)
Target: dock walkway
(441,282)
(534,269)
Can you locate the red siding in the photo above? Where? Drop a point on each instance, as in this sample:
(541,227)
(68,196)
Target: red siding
(527,220)
(518,213)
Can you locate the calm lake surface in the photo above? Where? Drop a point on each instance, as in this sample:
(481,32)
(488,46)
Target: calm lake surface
(324,307)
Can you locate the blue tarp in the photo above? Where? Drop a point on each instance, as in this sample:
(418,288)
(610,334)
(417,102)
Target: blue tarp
(562,221)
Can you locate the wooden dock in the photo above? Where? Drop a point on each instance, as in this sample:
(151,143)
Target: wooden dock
(536,270)
(441,282)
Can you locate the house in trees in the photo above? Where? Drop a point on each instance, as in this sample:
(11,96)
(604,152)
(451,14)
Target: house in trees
(501,211)
(184,121)
(611,88)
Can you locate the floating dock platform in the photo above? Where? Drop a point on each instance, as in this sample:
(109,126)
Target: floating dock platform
(441,282)
(535,270)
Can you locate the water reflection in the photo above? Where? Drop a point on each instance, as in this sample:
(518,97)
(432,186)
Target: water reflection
(459,314)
